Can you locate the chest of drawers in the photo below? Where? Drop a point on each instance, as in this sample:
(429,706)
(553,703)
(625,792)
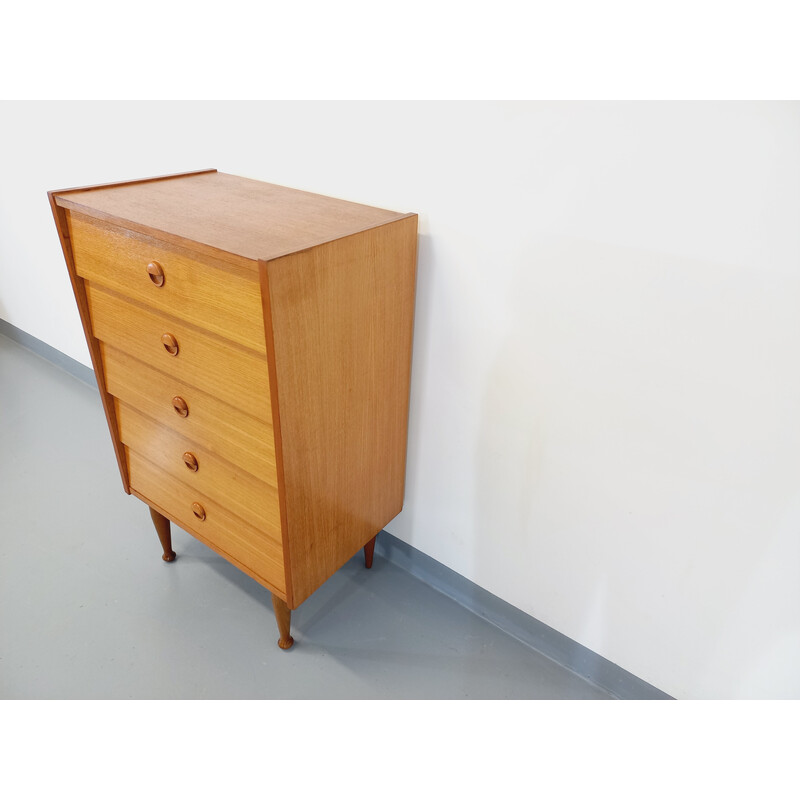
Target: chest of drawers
(252,347)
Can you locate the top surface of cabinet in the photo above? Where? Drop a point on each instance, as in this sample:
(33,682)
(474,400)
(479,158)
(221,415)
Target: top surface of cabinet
(245,219)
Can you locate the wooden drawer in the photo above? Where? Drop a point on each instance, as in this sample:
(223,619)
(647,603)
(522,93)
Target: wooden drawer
(230,536)
(254,501)
(224,430)
(212,294)
(234,374)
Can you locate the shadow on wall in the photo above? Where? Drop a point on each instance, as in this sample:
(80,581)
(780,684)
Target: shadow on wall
(635,456)
(420,364)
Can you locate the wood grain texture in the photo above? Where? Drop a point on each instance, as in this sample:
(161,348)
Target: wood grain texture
(278,323)
(238,564)
(253,500)
(276,427)
(164,532)
(283,616)
(215,296)
(342,321)
(229,535)
(232,373)
(57,193)
(227,216)
(223,429)
(79,290)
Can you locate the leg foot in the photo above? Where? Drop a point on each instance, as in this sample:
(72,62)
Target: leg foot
(164,534)
(369,551)
(283,615)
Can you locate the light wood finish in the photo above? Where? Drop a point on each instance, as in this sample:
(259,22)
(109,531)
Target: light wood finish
(251,220)
(214,296)
(225,430)
(79,290)
(233,374)
(97,187)
(342,330)
(227,556)
(164,534)
(253,500)
(231,535)
(252,345)
(283,616)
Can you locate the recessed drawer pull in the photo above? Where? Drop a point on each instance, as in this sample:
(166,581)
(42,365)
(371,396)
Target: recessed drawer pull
(191,461)
(198,511)
(170,344)
(156,273)
(179,404)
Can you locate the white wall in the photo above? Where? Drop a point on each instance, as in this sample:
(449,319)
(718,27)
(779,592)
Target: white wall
(605,420)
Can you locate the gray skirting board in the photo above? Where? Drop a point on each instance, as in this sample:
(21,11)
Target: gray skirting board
(516,623)
(70,365)
(527,629)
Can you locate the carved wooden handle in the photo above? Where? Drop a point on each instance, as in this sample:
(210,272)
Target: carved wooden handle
(179,404)
(156,273)
(170,344)
(198,511)
(190,459)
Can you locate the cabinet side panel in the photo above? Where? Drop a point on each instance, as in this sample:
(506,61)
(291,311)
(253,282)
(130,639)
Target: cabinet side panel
(342,321)
(62,226)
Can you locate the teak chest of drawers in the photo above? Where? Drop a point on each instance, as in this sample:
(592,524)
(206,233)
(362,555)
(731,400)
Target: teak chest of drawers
(252,347)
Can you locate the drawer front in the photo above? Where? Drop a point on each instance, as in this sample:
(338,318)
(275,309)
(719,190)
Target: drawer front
(219,528)
(201,470)
(232,373)
(218,297)
(221,428)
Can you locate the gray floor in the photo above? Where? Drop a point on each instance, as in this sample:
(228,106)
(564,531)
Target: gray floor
(89,610)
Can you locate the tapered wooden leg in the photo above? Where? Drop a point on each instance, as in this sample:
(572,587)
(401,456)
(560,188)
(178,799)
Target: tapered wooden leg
(283,615)
(164,534)
(369,551)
